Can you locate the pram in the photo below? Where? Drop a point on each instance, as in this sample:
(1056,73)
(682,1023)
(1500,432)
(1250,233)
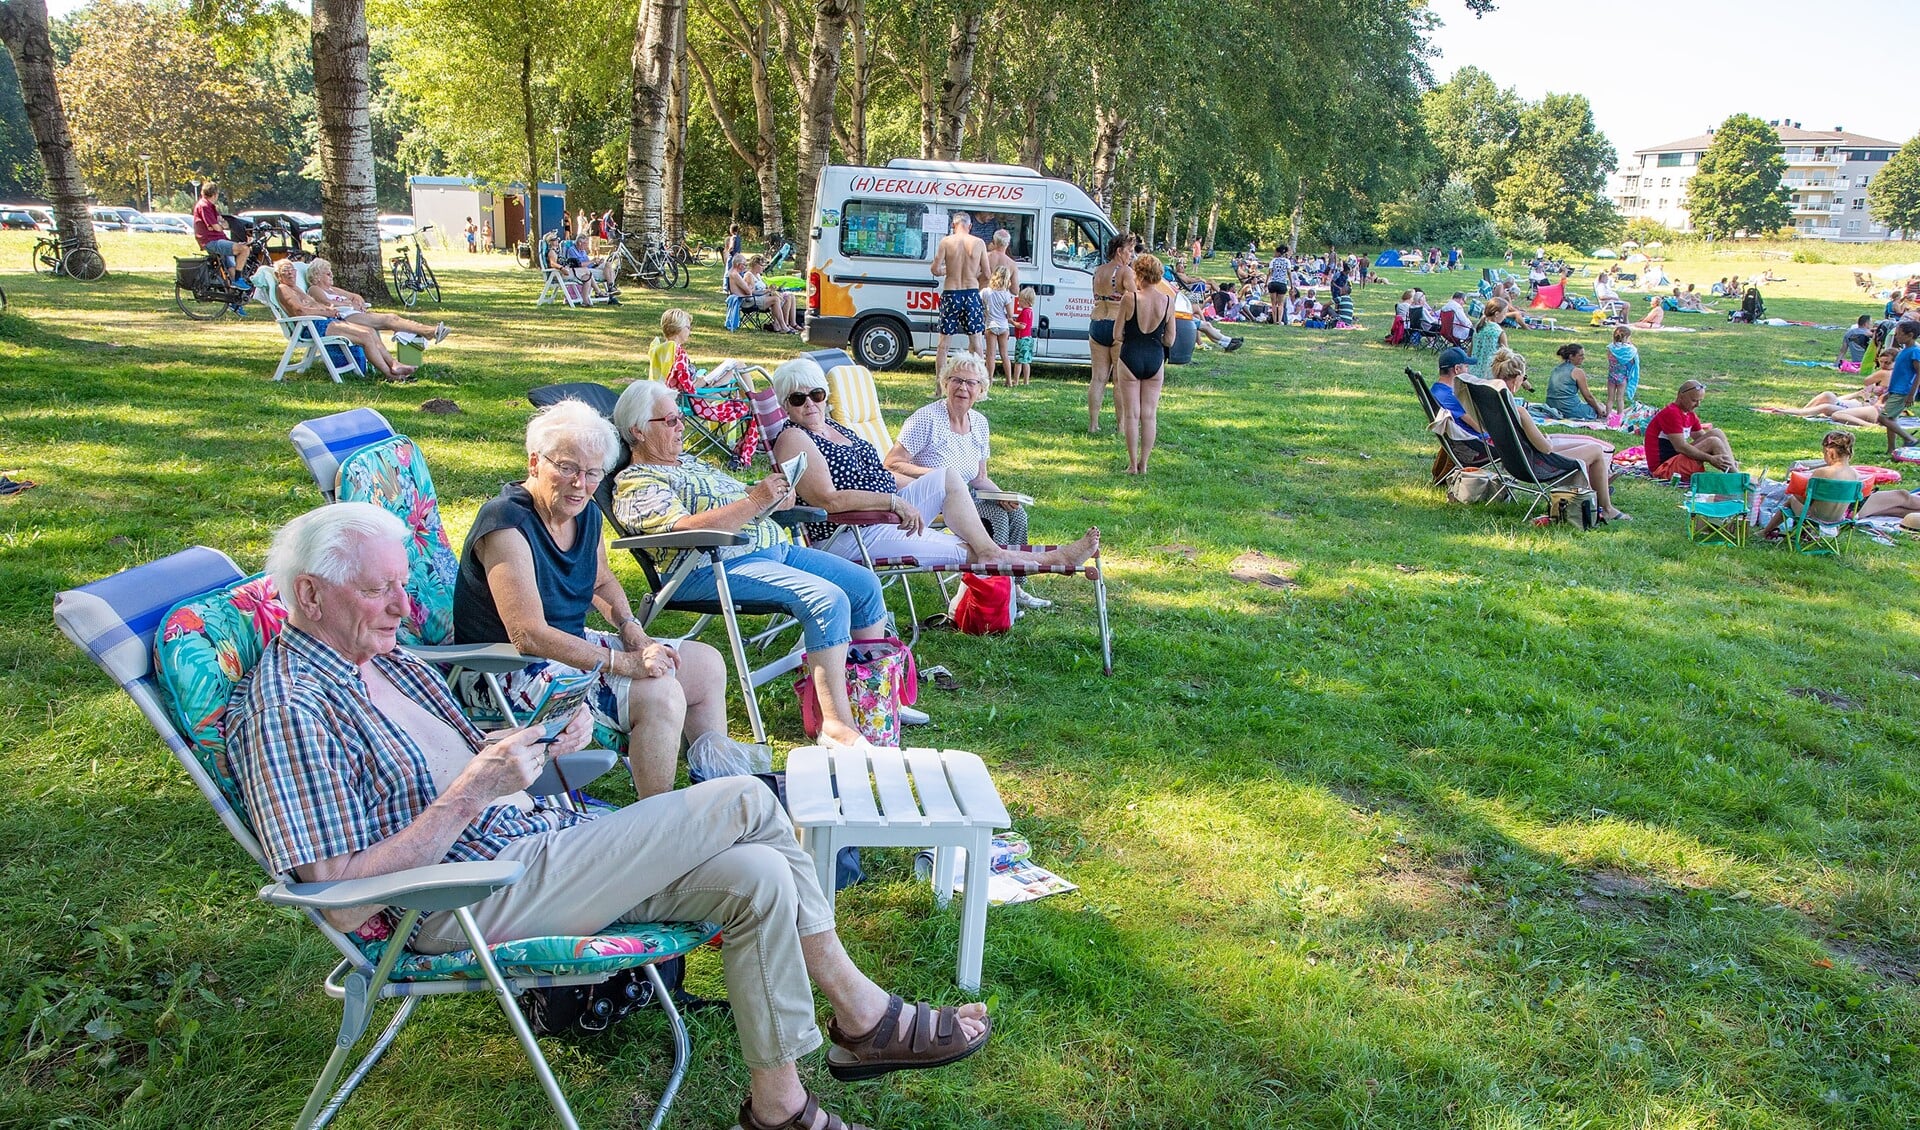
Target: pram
(1752,308)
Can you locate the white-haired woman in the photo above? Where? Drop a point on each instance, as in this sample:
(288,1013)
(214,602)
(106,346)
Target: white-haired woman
(350,307)
(534,565)
(665,489)
(845,473)
(952,433)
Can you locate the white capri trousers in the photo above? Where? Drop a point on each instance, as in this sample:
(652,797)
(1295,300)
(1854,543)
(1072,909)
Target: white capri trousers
(928,494)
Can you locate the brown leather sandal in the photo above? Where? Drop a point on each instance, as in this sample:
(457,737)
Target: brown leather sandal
(933,1039)
(800,1121)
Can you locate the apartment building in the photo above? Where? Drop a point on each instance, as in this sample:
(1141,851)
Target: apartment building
(1827,175)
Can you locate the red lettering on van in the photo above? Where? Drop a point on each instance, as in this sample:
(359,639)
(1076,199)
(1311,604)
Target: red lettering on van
(923,300)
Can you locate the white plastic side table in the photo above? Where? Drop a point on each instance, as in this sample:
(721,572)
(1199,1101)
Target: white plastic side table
(882,797)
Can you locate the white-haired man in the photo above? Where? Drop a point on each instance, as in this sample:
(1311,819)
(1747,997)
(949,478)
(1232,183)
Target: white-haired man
(353,761)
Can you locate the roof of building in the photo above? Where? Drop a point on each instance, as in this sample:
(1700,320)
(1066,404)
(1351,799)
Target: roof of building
(1791,135)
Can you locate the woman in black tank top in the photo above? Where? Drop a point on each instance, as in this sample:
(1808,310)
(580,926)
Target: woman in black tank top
(1143,359)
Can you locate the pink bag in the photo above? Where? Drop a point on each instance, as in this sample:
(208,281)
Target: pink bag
(880,677)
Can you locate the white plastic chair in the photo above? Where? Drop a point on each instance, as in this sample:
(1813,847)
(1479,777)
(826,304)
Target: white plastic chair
(305,343)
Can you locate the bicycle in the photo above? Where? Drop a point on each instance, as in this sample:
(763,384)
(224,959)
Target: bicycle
(83,263)
(689,254)
(411,275)
(201,288)
(651,265)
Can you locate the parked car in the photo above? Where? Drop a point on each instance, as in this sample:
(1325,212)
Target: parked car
(177,223)
(107,219)
(394,226)
(13,219)
(132,219)
(41,215)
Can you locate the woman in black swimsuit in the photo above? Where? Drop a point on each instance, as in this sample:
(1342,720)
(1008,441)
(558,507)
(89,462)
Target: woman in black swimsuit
(1143,359)
(1111,279)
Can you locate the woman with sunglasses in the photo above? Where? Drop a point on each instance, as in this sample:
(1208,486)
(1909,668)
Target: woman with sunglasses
(665,489)
(534,564)
(844,473)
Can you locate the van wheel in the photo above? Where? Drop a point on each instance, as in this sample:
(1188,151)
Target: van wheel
(880,343)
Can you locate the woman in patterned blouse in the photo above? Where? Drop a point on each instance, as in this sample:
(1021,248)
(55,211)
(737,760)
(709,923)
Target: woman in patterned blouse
(665,489)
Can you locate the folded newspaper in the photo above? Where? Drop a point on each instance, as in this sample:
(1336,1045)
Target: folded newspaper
(1012,877)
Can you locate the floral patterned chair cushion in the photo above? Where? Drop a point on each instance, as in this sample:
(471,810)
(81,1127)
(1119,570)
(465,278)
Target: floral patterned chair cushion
(392,474)
(623,945)
(204,647)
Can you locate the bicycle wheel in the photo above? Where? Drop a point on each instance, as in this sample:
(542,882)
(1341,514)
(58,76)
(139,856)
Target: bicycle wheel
(523,254)
(196,307)
(85,264)
(682,278)
(403,283)
(429,281)
(44,260)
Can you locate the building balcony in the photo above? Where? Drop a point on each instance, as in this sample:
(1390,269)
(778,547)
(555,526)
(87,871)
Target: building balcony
(1815,162)
(1799,183)
(1825,232)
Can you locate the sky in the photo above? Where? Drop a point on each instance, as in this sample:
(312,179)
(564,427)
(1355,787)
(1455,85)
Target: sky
(1660,72)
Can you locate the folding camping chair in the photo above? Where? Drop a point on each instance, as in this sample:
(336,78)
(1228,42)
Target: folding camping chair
(855,401)
(690,549)
(1524,471)
(354,456)
(1459,453)
(1717,505)
(1806,534)
(305,343)
(740,312)
(720,423)
(182,687)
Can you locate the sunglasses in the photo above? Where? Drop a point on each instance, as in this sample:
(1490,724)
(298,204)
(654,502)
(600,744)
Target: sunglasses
(796,399)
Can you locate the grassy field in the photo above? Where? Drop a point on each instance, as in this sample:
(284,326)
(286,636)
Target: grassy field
(1460,823)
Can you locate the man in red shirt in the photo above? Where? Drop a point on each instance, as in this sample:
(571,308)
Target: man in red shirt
(211,236)
(1678,443)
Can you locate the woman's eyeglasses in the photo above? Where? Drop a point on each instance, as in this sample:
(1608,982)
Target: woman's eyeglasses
(796,399)
(574,470)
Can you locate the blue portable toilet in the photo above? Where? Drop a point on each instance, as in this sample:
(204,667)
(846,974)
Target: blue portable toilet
(1388,258)
(553,207)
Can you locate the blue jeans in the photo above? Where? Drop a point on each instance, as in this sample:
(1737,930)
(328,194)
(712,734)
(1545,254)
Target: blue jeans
(829,595)
(222,248)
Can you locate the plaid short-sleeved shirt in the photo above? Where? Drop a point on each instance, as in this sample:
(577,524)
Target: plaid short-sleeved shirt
(324,773)
(648,498)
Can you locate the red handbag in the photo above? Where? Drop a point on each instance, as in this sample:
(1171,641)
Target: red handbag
(984,606)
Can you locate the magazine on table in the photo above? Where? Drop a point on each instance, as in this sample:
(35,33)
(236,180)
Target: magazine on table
(1004,496)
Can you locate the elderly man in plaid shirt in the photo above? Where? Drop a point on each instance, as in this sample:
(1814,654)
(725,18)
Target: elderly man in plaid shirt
(355,761)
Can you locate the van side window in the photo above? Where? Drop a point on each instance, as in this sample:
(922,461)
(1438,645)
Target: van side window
(884,229)
(1018,226)
(1077,243)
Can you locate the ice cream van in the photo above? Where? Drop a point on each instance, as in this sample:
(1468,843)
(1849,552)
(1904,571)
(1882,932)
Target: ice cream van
(870,289)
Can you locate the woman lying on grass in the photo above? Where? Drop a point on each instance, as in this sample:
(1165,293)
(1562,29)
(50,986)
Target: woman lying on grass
(1855,409)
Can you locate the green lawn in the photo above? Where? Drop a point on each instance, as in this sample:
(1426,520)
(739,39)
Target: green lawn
(1472,824)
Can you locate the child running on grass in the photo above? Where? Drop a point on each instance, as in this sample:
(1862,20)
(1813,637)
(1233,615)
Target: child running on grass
(1623,374)
(1023,336)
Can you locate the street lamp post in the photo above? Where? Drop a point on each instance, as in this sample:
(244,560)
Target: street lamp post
(146,167)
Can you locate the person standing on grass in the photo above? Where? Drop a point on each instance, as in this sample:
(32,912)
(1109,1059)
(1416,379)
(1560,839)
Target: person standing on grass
(1680,443)
(1143,359)
(473,237)
(1902,386)
(960,265)
(1623,374)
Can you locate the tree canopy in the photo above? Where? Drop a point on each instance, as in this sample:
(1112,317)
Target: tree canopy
(1893,197)
(1737,188)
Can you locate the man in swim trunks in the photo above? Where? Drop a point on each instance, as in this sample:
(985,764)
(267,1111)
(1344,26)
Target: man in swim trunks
(960,263)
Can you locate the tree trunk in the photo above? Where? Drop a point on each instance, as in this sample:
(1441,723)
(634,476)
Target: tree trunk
(655,50)
(956,88)
(1299,214)
(763,157)
(347,201)
(1173,224)
(852,131)
(23,27)
(1153,216)
(1213,222)
(678,111)
(815,98)
(1035,113)
(929,102)
(532,198)
(1108,128)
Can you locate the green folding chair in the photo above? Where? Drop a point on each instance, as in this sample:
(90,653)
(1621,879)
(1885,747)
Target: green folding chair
(1717,505)
(1806,534)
